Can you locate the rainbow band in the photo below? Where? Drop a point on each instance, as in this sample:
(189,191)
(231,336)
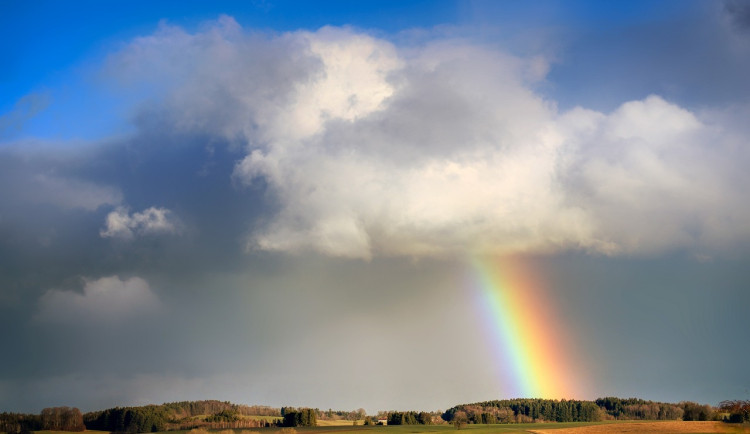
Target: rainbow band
(524,334)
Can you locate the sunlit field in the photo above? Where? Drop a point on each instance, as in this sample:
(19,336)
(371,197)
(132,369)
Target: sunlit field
(603,427)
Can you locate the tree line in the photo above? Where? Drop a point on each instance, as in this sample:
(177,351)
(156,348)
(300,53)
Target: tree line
(608,408)
(51,419)
(738,411)
(293,417)
(149,418)
(213,414)
(359,414)
(639,409)
(183,415)
(523,410)
(185,409)
(409,418)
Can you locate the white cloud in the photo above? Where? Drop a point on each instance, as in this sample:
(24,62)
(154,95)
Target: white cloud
(654,177)
(121,224)
(445,148)
(108,299)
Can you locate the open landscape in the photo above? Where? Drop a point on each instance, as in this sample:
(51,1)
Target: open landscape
(374,216)
(612,427)
(605,415)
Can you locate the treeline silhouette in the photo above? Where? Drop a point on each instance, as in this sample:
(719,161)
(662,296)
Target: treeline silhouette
(52,419)
(523,410)
(549,410)
(184,415)
(359,414)
(184,409)
(212,414)
(196,414)
(409,418)
(149,418)
(738,411)
(293,417)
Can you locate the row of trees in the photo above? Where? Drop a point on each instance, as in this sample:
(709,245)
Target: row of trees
(187,409)
(524,410)
(293,417)
(529,410)
(738,411)
(51,419)
(218,414)
(149,418)
(223,416)
(695,411)
(176,415)
(359,414)
(639,409)
(19,423)
(409,418)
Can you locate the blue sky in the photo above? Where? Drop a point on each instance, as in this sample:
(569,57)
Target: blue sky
(55,47)
(227,186)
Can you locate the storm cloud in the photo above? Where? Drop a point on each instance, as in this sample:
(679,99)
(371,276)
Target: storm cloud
(289,217)
(442,149)
(104,299)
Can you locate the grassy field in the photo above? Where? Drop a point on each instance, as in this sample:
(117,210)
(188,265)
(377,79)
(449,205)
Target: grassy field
(663,427)
(606,427)
(447,429)
(339,422)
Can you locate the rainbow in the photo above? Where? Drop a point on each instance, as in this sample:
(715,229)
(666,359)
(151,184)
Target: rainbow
(522,330)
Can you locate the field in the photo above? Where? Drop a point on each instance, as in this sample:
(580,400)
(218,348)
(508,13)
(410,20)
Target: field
(339,422)
(675,427)
(608,427)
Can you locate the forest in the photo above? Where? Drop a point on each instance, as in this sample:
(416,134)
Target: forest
(548,410)
(212,414)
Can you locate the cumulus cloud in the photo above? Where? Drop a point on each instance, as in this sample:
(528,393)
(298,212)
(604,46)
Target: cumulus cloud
(121,224)
(443,148)
(108,299)
(653,177)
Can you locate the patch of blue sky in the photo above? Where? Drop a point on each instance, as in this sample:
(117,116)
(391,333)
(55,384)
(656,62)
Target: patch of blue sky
(52,47)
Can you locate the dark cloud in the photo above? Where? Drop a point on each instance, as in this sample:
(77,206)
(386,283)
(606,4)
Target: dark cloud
(263,151)
(689,56)
(50,242)
(55,226)
(739,13)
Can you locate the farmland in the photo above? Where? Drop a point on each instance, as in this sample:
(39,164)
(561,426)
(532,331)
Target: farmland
(607,427)
(605,415)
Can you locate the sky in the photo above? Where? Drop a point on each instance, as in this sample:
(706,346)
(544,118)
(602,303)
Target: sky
(397,205)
